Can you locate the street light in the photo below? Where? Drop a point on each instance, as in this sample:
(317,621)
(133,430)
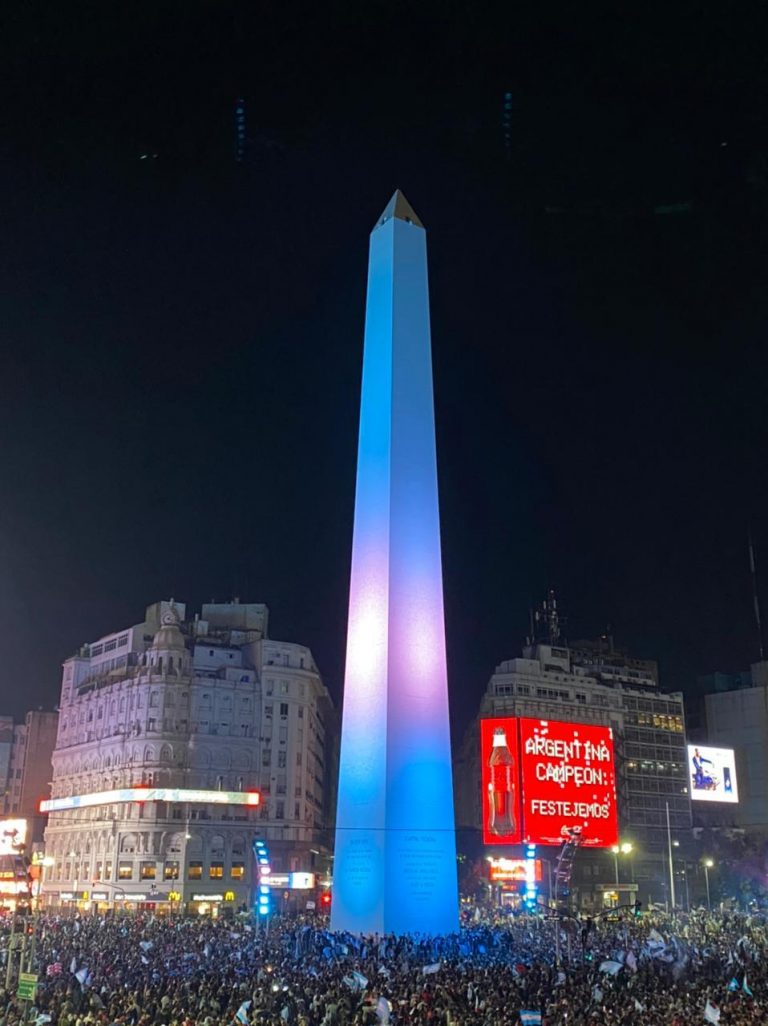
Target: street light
(617,849)
(708,864)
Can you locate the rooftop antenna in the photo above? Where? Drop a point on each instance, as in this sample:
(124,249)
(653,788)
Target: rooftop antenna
(756,595)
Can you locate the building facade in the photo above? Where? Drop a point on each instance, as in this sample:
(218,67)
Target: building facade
(30,770)
(595,683)
(180,743)
(736,716)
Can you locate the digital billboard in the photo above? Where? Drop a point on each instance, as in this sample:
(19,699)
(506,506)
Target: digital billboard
(13,836)
(500,776)
(149,794)
(513,870)
(568,783)
(712,772)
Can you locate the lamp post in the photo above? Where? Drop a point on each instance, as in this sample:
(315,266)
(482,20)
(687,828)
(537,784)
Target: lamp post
(671,865)
(708,864)
(617,849)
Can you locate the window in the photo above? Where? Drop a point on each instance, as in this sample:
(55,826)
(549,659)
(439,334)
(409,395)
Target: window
(283,708)
(148,871)
(281,760)
(154,700)
(216,871)
(98,871)
(280,810)
(238,870)
(301,712)
(268,709)
(171,871)
(284,684)
(266,757)
(195,871)
(125,871)
(283,735)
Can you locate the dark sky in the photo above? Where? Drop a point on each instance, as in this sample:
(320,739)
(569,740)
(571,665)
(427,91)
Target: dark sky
(182,334)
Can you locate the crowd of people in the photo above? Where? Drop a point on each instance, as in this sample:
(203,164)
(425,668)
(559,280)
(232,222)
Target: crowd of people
(138,970)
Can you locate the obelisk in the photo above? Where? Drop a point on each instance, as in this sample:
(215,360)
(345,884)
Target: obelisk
(395,854)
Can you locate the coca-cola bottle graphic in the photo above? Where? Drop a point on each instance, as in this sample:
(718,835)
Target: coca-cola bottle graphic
(501,787)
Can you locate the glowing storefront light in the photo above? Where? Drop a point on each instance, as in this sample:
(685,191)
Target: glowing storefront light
(395,856)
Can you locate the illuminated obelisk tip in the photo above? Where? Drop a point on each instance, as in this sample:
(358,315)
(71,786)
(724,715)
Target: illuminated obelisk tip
(395,855)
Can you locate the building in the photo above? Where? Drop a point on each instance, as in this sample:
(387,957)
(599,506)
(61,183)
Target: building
(395,852)
(596,683)
(180,743)
(6,748)
(736,716)
(31,769)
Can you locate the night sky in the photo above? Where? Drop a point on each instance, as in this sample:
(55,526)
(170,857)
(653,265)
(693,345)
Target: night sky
(182,334)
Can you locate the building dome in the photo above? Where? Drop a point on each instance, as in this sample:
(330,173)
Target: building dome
(168,652)
(169,638)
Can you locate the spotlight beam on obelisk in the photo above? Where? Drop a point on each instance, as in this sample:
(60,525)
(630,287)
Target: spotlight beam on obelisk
(395,855)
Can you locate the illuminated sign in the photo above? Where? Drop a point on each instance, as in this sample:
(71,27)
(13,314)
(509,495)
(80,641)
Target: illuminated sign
(207,897)
(500,764)
(13,835)
(301,881)
(569,783)
(712,773)
(150,794)
(264,869)
(513,870)
(131,897)
(98,895)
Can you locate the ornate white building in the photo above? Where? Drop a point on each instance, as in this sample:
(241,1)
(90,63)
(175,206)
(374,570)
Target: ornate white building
(180,744)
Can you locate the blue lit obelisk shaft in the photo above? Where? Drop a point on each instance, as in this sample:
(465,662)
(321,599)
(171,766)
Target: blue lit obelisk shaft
(395,853)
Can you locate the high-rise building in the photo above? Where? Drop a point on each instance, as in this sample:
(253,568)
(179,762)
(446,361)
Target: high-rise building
(32,769)
(395,855)
(736,716)
(594,682)
(181,743)
(6,747)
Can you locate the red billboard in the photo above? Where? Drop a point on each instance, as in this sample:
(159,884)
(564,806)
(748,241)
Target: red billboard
(500,781)
(568,783)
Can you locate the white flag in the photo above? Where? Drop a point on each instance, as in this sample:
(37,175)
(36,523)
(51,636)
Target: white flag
(429,969)
(383,1011)
(610,967)
(711,1012)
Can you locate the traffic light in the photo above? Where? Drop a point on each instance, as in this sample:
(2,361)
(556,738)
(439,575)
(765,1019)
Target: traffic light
(325,900)
(638,909)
